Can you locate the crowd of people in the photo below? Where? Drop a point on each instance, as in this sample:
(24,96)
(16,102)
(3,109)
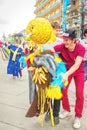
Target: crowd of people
(16,60)
(74,54)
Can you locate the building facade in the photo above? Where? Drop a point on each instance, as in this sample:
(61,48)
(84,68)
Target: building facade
(71,16)
(77,16)
(49,9)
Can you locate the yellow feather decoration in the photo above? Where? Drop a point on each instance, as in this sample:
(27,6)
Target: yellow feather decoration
(53,92)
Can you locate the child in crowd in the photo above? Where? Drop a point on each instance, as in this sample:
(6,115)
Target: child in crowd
(56,103)
(22,66)
(58,32)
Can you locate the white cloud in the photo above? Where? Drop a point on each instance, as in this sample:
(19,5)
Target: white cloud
(15,15)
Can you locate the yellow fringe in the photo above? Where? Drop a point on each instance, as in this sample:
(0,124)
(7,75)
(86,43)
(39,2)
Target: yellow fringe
(53,92)
(51,114)
(41,104)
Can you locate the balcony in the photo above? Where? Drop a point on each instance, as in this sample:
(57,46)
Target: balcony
(43,3)
(56,15)
(49,9)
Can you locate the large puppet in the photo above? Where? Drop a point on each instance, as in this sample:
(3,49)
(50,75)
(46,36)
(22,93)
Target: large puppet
(46,68)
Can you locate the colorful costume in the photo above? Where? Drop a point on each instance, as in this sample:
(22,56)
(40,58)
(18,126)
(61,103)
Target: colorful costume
(46,69)
(22,62)
(14,64)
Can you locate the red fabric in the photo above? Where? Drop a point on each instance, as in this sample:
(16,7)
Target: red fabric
(28,62)
(26,51)
(69,57)
(0,43)
(79,84)
(20,72)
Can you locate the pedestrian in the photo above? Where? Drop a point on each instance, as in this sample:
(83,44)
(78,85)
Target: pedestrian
(13,66)
(58,32)
(1,44)
(84,43)
(73,55)
(22,65)
(56,103)
(19,45)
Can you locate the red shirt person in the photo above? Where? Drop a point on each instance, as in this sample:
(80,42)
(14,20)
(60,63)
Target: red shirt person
(73,54)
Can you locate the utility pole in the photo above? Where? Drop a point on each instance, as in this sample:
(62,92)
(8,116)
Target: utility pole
(82,18)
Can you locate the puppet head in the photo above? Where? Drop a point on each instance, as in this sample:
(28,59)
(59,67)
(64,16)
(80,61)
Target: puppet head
(40,31)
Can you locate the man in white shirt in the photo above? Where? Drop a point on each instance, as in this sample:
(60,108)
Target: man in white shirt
(84,43)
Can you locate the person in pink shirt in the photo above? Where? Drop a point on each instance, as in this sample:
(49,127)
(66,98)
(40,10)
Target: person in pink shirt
(1,44)
(73,55)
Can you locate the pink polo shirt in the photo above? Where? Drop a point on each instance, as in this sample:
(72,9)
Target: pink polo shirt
(0,43)
(69,57)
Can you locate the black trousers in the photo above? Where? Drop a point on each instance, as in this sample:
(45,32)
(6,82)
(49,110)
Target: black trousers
(56,107)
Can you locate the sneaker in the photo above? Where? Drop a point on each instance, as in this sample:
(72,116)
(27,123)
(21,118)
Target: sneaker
(65,114)
(56,120)
(76,123)
(47,116)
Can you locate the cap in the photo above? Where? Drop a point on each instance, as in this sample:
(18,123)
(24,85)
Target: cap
(70,34)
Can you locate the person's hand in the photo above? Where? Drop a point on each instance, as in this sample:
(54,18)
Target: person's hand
(65,77)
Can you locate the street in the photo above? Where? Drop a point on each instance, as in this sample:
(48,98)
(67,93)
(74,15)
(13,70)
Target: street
(14,102)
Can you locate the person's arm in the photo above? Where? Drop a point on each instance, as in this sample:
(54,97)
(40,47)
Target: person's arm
(73,68)
(57,48)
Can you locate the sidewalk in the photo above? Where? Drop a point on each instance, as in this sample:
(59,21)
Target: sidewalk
(14,102)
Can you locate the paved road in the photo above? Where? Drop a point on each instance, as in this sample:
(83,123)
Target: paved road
(14,102)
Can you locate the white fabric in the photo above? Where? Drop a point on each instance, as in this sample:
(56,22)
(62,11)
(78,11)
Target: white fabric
(83,42)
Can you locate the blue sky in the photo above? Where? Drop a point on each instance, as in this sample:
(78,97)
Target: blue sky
(15,15)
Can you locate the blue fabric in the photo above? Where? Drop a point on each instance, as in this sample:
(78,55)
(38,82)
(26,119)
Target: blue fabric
(85,69)
(57,79)
(65,4)
(13,67)
(22,62)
